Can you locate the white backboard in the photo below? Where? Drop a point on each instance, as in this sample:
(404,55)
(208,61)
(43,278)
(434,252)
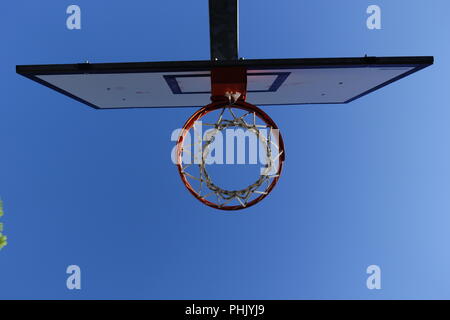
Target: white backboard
(187,84)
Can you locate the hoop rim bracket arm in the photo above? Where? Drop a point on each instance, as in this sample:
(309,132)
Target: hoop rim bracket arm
(228,83)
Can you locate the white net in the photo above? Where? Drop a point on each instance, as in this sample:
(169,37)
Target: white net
(196,157)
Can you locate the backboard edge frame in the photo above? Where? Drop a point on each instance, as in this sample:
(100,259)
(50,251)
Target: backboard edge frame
(33,71)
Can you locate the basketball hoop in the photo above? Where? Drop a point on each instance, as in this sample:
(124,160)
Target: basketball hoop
(224,79)
(215,196)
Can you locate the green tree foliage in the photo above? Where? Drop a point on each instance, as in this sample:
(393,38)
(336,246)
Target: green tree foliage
(3,238)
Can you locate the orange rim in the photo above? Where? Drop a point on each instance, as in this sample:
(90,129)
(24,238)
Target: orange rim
(201,113)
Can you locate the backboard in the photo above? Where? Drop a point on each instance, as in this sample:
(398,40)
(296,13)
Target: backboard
(188,83)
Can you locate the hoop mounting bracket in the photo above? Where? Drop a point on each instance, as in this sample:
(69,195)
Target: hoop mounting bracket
(228,83)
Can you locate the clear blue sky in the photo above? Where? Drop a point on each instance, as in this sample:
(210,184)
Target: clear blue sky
(364,183)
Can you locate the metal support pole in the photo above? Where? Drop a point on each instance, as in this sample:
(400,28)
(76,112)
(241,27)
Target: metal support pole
(223,29)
